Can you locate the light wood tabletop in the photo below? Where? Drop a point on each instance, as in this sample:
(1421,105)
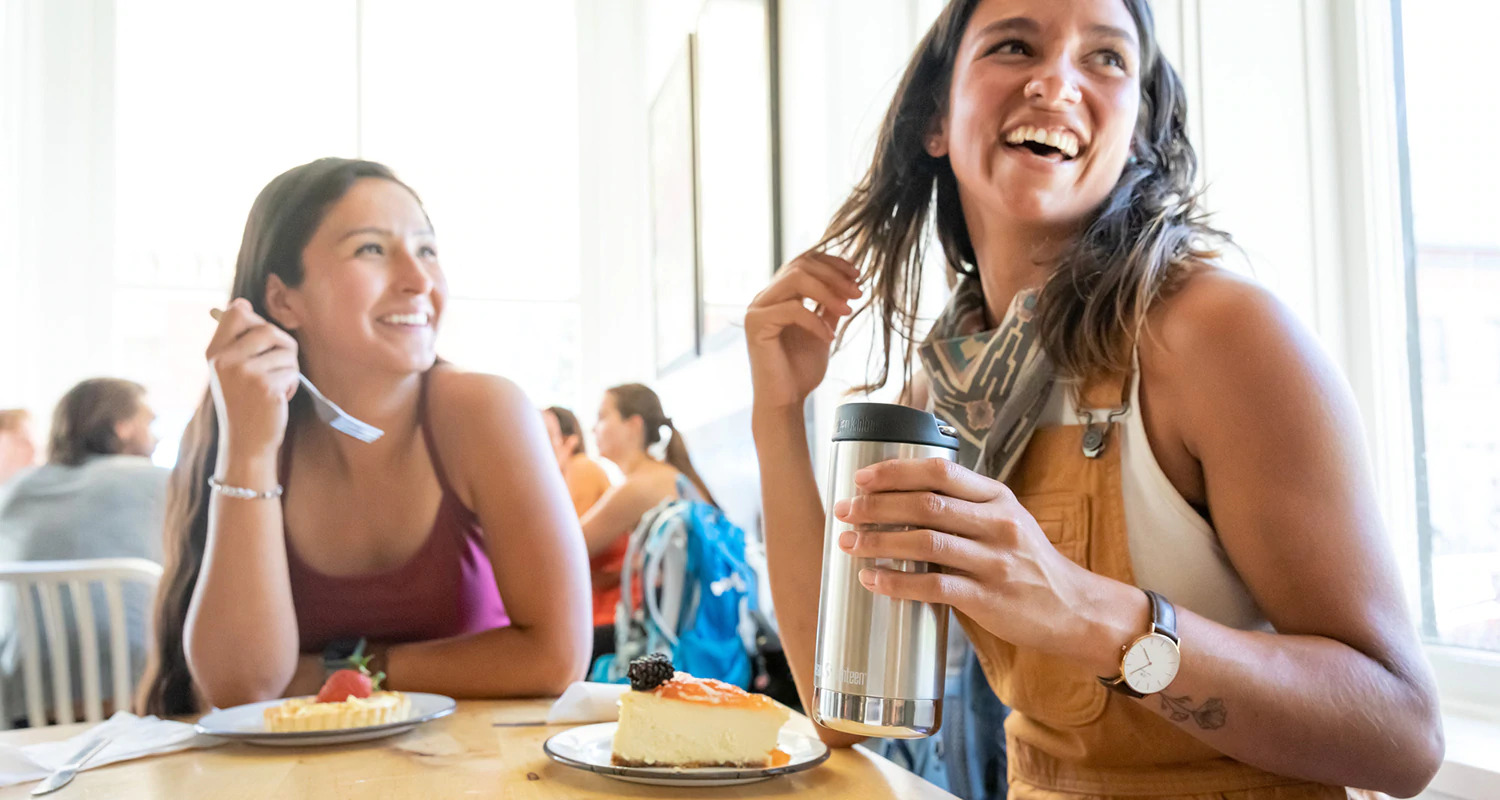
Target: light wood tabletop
(485,749)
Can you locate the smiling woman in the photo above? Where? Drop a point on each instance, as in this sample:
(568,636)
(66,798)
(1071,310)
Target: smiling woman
(288,542)
(1161,534)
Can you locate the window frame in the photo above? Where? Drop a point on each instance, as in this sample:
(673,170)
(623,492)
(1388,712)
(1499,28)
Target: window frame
(1379,288)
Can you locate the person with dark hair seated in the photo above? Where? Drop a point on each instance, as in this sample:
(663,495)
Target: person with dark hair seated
(637,435)
(587,481)
(447,545)
(98,496)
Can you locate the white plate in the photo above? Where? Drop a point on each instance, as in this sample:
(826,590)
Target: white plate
(247,723)
(588,747)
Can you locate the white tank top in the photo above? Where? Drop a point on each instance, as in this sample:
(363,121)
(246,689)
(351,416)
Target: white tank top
(1173,549)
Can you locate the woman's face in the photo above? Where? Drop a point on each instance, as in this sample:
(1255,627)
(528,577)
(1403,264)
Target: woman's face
(372,292)
(562,447)
(1042,108)
(615,436)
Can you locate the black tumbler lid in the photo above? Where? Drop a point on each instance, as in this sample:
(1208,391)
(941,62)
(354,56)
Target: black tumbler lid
(886,422)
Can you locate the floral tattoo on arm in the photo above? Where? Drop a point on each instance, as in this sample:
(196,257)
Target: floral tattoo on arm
(1209,716)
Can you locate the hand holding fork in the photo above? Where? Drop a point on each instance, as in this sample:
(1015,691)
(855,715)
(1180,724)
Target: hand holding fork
(254,371)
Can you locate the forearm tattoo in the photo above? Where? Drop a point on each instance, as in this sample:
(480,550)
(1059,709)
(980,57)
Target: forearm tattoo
(1209,716)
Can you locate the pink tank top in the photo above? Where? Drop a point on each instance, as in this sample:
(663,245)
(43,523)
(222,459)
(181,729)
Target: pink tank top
(446,589)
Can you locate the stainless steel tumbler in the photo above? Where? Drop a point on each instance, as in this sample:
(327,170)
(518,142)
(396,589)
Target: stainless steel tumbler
(880,661)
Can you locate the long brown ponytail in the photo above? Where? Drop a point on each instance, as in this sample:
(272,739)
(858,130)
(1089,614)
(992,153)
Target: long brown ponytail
(282,221)
(638,400)
(1140,242)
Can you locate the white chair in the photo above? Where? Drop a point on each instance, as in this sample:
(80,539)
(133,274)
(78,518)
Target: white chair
(43,579)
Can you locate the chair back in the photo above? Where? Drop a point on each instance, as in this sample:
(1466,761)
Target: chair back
(39,585)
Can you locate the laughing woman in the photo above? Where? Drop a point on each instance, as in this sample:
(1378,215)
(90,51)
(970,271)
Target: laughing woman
(1163,539)
(289,542)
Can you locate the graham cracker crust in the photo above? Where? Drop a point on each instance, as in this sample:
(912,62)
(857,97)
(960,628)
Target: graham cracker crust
(625,762)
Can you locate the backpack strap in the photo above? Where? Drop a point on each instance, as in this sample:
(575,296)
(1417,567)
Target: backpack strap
(666,561)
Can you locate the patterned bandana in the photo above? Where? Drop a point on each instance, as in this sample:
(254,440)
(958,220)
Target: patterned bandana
(991,385)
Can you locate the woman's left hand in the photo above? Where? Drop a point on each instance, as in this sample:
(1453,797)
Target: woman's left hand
(998,567)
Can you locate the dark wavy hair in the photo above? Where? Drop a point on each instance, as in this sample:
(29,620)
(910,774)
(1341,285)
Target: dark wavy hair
(1138,244)
(282,221)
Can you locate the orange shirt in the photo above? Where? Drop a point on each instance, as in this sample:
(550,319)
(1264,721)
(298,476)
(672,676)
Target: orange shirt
(587,482)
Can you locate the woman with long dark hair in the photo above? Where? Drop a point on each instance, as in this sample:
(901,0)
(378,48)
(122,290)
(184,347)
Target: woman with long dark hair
(637,435)
(1161,536)
(448,546)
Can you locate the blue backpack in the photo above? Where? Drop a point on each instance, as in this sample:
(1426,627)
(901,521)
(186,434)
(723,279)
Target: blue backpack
(699,596)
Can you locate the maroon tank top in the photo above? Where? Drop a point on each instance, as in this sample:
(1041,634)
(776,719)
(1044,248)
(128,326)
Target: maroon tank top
(446,589)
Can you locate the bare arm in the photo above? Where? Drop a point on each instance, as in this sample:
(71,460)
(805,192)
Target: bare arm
(242,603)
(794,523)
(618,511)
(789,347)
(496,450)
(1341,693)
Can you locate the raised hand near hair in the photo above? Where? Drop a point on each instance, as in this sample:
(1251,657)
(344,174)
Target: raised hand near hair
(790,343)
(252,373)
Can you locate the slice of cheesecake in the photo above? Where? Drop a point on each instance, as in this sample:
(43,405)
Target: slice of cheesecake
(693,722)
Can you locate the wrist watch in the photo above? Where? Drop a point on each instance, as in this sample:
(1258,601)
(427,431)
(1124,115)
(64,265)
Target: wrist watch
(1150,662)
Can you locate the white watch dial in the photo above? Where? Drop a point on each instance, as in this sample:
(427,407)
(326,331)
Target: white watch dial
(1151,663)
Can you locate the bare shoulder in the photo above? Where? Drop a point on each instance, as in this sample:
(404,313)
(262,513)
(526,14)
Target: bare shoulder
(1222,345)
(457,391)
(1215,310)
(654,480)
(1218,325)
(481,424)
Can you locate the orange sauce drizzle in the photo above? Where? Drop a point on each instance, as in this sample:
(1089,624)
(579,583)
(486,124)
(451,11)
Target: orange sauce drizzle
(710,691)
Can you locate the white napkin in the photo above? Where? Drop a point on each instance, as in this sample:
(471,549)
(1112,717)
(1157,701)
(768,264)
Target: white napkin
(129,737)
(585,701)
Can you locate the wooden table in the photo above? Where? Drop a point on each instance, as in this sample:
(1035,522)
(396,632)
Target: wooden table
(478,751)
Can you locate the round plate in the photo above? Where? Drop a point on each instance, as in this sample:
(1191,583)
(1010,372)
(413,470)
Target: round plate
(588,747)
(247,723)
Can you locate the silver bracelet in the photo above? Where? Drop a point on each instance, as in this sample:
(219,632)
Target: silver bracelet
(242,493)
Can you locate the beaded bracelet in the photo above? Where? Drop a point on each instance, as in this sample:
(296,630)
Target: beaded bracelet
(242,493)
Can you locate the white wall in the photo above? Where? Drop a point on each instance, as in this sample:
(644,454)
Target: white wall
(839,63)
(55,194)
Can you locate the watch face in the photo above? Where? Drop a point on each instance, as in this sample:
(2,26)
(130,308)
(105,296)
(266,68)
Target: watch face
(1151,663)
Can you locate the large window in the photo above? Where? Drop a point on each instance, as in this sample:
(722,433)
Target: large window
(1452,170)
(475,105)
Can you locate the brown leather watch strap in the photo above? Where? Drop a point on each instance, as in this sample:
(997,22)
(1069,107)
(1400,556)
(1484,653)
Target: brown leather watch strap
(1164,622)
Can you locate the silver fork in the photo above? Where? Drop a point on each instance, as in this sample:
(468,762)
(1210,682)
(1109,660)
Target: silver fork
(328,411)
(337,418)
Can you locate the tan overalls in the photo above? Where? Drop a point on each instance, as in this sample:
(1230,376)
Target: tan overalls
(1068,736)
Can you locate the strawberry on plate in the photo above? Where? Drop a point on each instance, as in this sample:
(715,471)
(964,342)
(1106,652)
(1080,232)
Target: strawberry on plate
(346,683)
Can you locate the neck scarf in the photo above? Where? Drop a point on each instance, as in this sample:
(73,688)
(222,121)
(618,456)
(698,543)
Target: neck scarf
(991,385)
